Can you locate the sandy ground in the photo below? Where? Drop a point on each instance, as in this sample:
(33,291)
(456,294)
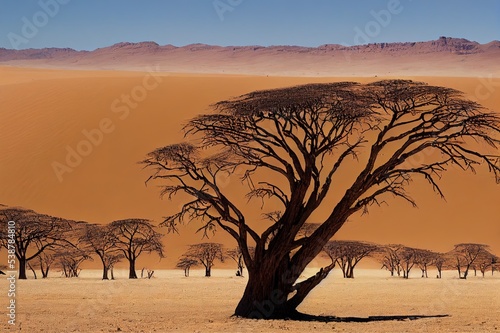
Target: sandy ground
(172,303)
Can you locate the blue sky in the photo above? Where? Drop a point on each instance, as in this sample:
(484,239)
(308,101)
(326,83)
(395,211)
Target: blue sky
(89,24)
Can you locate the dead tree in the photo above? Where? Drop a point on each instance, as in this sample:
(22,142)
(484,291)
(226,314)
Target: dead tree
(206,254)
(133,237)
(291,147)
(186,263)
(347,254)
(32,234)
(464,256)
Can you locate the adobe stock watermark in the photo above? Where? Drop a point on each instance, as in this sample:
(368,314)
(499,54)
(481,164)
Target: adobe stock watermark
(381,19)
(94,137)
(31,25)
(11,272)
(486,87)
(223,6)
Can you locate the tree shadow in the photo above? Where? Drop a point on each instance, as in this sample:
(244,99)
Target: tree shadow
(331,319)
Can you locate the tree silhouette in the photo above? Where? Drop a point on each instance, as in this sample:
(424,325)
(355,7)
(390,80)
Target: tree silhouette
(206,254)
(347,254)
(484,261)
(291,147)
(33,234)
(101,240)
(389,257)
(439,261)
(133,237)
(186,263)
(423,259)
(464,256)
(236,255)
(69,260)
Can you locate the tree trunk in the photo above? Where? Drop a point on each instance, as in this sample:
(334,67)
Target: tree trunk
(112,274)
(273,295)
(132,274)
(208,272)
(45,272)
(33,270)
(105,272)
(22,269)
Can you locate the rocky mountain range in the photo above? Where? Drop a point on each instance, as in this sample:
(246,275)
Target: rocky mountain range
(444,56)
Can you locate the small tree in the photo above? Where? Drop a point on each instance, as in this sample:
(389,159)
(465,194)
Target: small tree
(485,261)
(389,257)
(45,261)
(206,254)
(347,254)
(463,257)
(101,240)
(423,259)
(236,255)
(186,263)
(439,260)
(408,259)
(70,259)
(135,236)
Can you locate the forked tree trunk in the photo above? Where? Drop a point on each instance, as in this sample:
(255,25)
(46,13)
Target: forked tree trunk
(208,272)
(270,294)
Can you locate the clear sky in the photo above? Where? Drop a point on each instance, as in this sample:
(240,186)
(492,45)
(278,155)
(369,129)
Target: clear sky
(90,24)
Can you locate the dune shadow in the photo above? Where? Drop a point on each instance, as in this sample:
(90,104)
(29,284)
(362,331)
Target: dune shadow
(330,319)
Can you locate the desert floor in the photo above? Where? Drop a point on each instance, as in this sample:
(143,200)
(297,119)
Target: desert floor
(169,302)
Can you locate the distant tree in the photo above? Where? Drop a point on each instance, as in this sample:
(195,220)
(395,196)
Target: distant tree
(45,261)
(423,259)
(464,256)
(408,259)
(485,261)
(101,240)
(389,257)
(135,236)
(206,254)
(347,254)
(69,260)
(338,147)
(439,261)
(186,263)
(33,234)
(236,255)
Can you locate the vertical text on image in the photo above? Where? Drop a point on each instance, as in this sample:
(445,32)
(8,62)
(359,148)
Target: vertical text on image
(11,273)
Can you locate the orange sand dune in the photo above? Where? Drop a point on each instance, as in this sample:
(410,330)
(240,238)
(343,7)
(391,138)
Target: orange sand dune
(114,118)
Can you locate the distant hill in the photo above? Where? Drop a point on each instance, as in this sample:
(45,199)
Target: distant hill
(443,57)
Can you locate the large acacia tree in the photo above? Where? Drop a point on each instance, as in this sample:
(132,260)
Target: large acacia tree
(296,148)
